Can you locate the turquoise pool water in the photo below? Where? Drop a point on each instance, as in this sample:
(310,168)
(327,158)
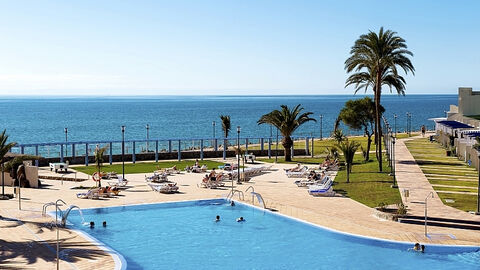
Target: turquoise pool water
(184,235)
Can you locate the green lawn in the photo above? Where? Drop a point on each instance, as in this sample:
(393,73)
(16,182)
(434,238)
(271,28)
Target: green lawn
(461,201)
(367,185)
(321,145)
(146,167)
(435,164)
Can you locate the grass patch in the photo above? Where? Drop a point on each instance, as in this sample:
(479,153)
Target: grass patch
(367,185)
(462,201)
(470,190)
(146,167)
(454,183)
(440,165)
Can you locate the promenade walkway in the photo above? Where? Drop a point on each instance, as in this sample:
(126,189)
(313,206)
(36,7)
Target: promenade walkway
(410,177)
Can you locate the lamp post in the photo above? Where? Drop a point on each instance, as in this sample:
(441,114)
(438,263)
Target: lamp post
(148,137)
(213,124)
(394,166)
(276,148)
(321,127)
(478,189)
(123,151)
(66,140)
(270,131)
(313,141)
(409,124)
(406,127)
(3,183)
(395,123)
(238,156)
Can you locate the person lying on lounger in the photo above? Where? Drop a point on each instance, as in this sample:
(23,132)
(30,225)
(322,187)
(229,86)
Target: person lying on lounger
(295,169)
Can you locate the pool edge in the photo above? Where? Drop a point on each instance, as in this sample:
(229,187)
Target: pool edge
(468,248)
(121,260)
(118,259)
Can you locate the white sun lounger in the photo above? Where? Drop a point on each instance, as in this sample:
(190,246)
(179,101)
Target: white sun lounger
(309,182)
(302,173)
(322,190)
(119,183)
(165,187)
(91,194)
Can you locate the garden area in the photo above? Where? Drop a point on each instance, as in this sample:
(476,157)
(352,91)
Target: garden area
(455,182)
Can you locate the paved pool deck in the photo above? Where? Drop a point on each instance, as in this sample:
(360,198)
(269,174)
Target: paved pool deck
(29,243)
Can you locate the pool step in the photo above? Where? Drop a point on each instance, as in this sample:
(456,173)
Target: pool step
(442,222)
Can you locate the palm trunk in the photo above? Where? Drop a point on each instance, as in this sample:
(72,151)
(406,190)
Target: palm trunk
(288,154)
(369,143)
(287,144)
(348,172)
(378,126)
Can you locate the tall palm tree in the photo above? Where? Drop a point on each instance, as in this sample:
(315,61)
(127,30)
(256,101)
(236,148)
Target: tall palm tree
(99,152)
(226,126)
(375,60)
(287,121)
(348,149)
(4,149)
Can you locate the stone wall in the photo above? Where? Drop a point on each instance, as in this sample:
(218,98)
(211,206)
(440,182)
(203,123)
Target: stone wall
(468,101)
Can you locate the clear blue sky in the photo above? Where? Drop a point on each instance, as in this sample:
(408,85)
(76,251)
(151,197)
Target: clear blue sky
(225,47)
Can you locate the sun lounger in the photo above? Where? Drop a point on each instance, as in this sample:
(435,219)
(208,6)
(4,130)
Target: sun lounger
(165,187)
(157,178)
(91,194)
(119,183)
(322,190)
(309,182)
(302,173)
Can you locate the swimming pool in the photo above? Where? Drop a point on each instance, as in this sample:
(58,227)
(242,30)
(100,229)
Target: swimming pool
(184,235)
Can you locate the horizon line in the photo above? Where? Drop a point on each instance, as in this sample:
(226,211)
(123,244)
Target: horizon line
(217,95)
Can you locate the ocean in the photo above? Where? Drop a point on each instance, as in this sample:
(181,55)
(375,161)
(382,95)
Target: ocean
(43,119)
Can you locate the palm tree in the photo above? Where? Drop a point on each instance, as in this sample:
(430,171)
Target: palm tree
(99,152)
(287,121)
(375,60)
(348,149)
(339,136)
(4,149)
(226,126)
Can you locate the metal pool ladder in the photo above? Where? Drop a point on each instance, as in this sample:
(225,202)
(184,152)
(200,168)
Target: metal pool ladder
(231,194)
(256,195)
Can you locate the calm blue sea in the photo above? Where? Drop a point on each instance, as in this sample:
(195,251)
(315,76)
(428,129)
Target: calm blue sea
(35,120)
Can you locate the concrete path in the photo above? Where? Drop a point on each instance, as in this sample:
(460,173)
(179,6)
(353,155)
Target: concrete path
(410,177)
